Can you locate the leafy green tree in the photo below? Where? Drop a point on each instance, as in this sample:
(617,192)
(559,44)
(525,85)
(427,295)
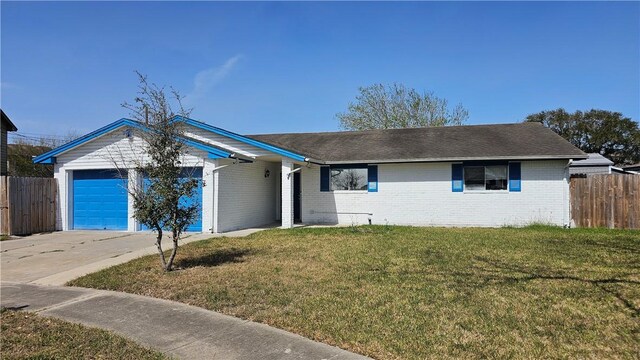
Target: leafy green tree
(157,204)
(608,133)
(20,160)
(23,148)
(395,106)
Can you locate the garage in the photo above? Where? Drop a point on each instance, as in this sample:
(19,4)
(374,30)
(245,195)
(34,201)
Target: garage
(238,187)
(99,200)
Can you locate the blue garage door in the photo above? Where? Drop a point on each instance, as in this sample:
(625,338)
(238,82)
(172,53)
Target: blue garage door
(195,199)
(99,200)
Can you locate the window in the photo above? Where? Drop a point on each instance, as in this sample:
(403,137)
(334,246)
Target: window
(356,177)
(348,178)
(492,177)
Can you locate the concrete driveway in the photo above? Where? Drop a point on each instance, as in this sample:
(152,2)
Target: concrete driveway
(55,258)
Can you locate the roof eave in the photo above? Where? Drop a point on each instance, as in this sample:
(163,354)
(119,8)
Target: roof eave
(247,140)
(455,159)
(11,125)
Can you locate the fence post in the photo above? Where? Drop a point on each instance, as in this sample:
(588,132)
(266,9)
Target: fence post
(4,207)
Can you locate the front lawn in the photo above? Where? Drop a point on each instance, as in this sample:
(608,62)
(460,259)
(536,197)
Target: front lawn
(403,292)
(28,336)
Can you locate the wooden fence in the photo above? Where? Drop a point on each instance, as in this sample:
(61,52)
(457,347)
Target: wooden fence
(28,205)
(608,200)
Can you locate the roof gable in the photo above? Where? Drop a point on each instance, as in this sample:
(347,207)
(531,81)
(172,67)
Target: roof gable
(50,156)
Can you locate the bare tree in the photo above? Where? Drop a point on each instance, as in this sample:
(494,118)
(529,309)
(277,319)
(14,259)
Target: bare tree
(157,203)
(395,106)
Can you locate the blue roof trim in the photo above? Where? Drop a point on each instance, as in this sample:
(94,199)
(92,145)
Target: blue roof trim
(244,139)
(49,156)
(50,160)
(41,159)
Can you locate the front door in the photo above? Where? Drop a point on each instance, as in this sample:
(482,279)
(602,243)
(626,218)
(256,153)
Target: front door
(297,198)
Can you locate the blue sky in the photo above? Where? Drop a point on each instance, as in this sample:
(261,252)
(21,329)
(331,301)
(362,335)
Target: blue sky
(290,67)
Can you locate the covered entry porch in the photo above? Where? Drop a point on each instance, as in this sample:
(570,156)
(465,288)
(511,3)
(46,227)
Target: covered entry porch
(253,193)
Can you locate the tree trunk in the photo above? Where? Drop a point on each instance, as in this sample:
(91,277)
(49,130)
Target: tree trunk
(159,246)
(169,266)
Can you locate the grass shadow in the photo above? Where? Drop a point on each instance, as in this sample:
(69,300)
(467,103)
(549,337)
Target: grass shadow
(505,274)
(219,257)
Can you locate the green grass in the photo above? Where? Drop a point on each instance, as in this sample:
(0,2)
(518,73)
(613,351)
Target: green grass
(4,237)
(415,293)
(28,336)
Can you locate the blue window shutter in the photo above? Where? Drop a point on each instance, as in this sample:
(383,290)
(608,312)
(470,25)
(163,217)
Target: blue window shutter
(515,182)
(324,178)
(457,182)
(372,174)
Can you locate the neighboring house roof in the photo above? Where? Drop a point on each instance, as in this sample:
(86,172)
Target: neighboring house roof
(597,164)
(593,159)
(634,167)
(50,156)
(449,143)
(620,170)
(7,121)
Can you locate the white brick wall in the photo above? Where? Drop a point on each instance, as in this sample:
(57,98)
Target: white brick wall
(420,194)
(245,197)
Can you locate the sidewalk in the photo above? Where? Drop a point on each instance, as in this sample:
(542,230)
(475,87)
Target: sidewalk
(179,330)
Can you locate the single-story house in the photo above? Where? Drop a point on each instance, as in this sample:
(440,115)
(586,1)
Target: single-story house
(596,164)
(481,175)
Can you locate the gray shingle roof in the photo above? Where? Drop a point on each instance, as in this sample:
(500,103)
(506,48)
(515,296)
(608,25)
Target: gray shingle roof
(593,159)
(477,142)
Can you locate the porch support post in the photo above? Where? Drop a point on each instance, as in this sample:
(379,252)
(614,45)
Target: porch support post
(287,194)
(208,196)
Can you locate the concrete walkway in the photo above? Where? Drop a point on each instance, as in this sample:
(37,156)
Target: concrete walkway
(179,330)
(58,257)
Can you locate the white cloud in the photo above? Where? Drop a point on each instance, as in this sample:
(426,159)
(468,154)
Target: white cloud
(205,80)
